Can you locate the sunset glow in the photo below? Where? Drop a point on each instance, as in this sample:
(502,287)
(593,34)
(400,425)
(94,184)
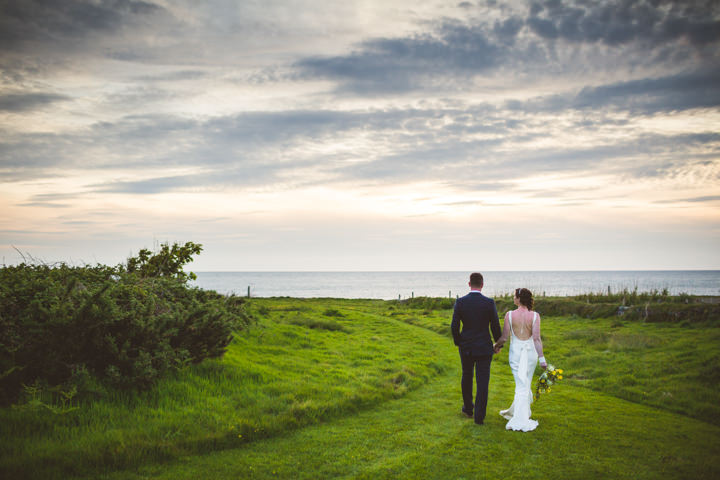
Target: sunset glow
(364,135)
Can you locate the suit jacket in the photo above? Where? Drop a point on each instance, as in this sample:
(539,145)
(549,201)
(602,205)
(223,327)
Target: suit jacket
(478,314)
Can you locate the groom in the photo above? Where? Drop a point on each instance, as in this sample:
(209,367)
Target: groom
(476,312)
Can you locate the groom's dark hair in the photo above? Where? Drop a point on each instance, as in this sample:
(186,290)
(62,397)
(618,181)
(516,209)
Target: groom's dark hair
(476,280)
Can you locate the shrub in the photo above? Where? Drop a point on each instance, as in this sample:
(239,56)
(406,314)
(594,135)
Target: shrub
(167,262)
(124,328)
(429,303)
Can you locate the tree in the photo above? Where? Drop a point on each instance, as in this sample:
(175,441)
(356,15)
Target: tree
(167,262)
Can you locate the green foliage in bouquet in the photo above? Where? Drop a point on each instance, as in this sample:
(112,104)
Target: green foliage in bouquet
(125,327)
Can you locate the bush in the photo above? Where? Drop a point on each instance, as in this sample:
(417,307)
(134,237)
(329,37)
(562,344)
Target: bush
(124,328)
(429,303)
(168,262)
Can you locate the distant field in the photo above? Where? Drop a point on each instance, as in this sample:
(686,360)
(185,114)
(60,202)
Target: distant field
(324,388)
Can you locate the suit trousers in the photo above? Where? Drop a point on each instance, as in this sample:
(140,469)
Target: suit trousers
(479,367)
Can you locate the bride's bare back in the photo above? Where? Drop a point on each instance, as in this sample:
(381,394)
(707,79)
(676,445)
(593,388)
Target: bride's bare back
(523,328)
(522,323)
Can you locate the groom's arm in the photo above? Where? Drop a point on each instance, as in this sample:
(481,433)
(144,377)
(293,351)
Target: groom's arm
(455,324)
(495,323)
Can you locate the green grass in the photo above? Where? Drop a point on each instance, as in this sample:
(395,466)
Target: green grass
(294,368)
(665,365)
(370,389)
(582,434)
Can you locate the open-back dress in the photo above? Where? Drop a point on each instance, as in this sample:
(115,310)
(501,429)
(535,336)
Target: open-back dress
(523,359)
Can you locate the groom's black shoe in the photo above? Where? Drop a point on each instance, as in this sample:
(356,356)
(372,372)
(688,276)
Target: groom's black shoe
(468,414)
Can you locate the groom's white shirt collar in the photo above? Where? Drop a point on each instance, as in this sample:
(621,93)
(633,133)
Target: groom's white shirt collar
(475,291)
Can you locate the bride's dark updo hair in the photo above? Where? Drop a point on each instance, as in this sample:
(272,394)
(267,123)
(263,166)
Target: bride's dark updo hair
(525,297)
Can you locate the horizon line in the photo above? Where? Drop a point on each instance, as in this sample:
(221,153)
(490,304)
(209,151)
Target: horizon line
(461,271)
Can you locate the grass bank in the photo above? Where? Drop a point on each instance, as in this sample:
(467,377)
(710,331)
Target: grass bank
(582,435)
(327,388)
(305,361)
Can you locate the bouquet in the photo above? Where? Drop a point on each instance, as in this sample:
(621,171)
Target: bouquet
(547,379)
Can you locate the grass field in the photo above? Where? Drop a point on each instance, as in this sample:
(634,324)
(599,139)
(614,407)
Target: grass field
(329,388)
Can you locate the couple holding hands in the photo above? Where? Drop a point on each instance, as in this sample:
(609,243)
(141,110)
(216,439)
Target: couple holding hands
(478,314)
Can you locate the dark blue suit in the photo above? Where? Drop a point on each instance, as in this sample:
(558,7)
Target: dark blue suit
(478,315)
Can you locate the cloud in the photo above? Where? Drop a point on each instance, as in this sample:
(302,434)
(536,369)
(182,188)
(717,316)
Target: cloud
(21,102)
(647,96)
(285,149)
(622,22)
(391,65)
(43,204)
(29,22)
(699,89)
(235,177)
(703,199)
(49,200)
(550,38)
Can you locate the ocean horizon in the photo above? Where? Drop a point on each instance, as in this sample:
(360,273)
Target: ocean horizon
(388,285)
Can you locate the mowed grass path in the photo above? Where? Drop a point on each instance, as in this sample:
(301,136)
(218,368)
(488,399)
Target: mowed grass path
(583,433)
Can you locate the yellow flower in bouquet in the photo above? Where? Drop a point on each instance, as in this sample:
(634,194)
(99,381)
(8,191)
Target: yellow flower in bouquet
(548,378)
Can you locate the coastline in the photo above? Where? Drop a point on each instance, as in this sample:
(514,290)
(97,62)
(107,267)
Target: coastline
(450,284)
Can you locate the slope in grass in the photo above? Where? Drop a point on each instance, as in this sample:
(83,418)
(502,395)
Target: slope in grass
(298,366)
(582,434)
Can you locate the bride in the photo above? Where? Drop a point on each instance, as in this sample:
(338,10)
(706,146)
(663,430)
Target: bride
(523,324)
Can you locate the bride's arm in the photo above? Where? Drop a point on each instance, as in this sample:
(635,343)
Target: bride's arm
(538,342)
(505,334)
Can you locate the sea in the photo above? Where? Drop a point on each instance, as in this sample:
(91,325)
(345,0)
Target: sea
(402,285)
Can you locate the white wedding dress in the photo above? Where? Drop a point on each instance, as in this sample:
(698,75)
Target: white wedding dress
(523,359)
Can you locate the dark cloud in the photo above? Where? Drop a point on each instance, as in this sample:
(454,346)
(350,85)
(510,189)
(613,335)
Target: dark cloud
(649,33)
(704,199)
(48,22)
(647,96)
(21,102)
(623,21)
(676,92)
(391,65)
(507,30)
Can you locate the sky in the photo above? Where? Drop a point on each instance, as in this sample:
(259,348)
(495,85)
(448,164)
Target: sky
(306,135)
